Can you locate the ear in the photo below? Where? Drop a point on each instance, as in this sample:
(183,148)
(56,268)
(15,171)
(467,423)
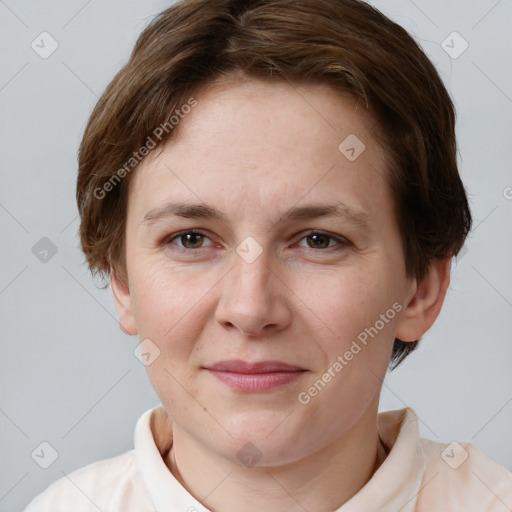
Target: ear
(425,302)
(123,303)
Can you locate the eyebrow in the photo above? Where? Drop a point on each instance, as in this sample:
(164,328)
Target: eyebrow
(305,212)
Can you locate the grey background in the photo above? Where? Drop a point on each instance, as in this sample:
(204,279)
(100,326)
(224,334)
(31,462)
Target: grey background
(68,374)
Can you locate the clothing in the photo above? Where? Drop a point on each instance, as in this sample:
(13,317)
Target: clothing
(418,475)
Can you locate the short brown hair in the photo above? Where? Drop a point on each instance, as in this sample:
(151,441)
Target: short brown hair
(345,43)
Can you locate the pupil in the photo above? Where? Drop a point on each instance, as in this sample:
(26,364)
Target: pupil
(189,241)
(315,237)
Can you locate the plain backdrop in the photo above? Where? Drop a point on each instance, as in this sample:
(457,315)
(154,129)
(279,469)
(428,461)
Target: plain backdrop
(69,377)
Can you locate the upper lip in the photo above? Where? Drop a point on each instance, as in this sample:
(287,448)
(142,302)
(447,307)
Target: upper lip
(239,366)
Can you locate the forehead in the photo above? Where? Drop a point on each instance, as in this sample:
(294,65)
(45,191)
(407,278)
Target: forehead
(268,143)
(278,115)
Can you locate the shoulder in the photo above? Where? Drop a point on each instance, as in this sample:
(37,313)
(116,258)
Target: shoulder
(460,476)
(107,485)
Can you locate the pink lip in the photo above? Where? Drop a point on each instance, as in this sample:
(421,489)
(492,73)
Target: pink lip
(260,376)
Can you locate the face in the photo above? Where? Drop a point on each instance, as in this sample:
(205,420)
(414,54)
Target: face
(260,254)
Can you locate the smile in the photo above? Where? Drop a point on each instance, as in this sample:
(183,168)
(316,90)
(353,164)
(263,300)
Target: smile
(253,377)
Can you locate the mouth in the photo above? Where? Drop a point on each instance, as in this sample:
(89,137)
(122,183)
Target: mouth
(254,377)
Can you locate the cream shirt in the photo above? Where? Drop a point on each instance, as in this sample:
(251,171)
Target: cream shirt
(418,475)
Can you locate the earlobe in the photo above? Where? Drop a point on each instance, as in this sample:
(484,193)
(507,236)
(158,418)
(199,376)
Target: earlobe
(425,304)
(123,303)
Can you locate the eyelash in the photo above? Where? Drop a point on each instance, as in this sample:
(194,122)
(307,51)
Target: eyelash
(341,241)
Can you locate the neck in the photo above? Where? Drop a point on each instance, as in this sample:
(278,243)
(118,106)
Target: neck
(322,481)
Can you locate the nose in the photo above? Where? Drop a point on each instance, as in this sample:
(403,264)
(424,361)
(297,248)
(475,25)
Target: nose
(254,299)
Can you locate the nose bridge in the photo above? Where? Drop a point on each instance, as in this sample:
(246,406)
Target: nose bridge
(252,270)
(252,296)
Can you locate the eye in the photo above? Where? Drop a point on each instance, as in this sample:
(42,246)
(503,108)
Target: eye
(194,239)
(322,240)
(189,239)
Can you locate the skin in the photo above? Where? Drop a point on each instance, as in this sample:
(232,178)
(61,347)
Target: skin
(252,150)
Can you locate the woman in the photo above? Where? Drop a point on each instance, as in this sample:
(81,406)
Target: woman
(271,189)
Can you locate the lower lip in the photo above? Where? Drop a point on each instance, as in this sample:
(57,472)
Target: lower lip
(256,381)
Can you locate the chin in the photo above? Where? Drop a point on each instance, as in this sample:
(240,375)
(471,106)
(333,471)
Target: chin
(264,438)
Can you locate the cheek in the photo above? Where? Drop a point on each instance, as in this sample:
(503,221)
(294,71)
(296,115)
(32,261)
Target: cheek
(170,307)
(161,296)
(166,304)
(358,308)
(344,302)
